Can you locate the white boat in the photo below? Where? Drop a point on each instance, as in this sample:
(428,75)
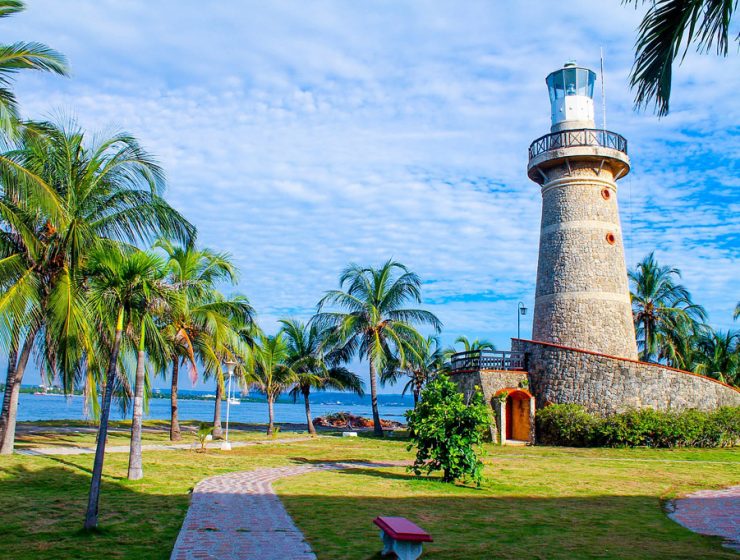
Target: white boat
(234,400)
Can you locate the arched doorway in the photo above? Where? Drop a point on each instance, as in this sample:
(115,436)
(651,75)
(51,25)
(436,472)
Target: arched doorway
(517,414)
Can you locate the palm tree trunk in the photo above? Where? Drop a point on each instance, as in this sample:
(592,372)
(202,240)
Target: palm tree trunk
(217,430)
(175,434)
(9,380)
(377,428)
(416,395)
(311,429)
(91,517)
(271,415)
(135,469)
(8,441)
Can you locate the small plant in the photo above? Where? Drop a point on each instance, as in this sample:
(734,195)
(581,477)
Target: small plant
(204,430)
(275,432)
(446,431)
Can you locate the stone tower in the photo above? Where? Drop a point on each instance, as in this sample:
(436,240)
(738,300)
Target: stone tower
(582,295)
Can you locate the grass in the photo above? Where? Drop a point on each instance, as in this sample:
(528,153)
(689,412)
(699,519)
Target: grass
(536,502)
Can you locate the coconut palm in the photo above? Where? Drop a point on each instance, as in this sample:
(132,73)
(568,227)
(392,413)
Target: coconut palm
(270,371)
(425,359)
(664,314)
(718,355)
(309,356)
(474,345)
(369,319)
(21,56)
(119,286)
(96,195)
(666,32)
(195,273)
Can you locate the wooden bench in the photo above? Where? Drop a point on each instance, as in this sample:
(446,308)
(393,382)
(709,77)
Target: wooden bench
(402,537)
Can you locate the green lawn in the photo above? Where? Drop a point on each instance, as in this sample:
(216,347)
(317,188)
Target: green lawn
(536,503)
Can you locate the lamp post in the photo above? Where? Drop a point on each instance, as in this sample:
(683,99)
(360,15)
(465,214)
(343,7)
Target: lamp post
(521,311)
(226,445)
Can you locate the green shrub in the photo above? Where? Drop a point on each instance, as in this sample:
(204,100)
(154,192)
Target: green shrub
(572,425)
(565,424)
(446,431)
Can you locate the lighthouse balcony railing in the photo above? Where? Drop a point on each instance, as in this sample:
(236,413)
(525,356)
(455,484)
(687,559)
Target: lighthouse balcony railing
(475,360)
(577,137)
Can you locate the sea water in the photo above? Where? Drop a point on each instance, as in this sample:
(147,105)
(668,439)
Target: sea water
(252,408)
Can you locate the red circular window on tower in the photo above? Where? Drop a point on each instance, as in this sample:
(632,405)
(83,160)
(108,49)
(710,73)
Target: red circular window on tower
(606,194)
(611,238)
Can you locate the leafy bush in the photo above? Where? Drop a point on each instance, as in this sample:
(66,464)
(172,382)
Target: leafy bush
(446,431)
(572,425)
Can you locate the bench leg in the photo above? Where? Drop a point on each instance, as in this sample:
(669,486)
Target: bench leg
(407,550)
(387,544)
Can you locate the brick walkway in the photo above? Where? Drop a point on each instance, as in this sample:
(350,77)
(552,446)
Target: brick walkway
(711,512)
(238,515)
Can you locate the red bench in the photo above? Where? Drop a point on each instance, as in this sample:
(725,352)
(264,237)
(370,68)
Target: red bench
(401,537)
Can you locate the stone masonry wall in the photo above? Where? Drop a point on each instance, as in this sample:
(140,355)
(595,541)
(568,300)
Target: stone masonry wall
(606,384)
(490,381)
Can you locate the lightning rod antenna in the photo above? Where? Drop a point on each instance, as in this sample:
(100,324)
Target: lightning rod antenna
(603,93)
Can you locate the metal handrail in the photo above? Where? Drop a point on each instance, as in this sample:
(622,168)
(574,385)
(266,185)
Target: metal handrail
(487,359)
(577,137)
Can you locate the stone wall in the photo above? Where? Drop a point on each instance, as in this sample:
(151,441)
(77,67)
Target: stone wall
(607,384)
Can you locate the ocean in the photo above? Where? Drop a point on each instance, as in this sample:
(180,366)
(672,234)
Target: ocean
(252,409)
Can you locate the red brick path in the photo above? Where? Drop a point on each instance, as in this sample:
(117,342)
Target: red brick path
(711,512)
(238,515)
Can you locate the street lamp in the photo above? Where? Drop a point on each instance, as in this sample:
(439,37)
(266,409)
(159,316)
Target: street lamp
(521,312)
(226,445)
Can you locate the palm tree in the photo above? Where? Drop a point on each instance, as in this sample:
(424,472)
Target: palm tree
(718,356)
(119,286)
(149,341)
(195,272)
(371,321)
(270,372)
(313,366)
(668,28)
(22,56)
(424,360)
(474,345)
(82,197)
(664,315)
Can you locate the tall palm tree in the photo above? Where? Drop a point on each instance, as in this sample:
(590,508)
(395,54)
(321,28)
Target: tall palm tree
(666,32)
(718,356)
(270,372)
(369,318)
(664,314)
(424,360)
(195,273)
(119,285)
(95,195)
(309,356)
(22,56)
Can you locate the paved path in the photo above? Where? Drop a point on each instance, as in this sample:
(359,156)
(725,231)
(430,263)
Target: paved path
(72,450)
(711,512)
(239,516)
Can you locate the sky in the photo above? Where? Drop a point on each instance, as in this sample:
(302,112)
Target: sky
(301,137)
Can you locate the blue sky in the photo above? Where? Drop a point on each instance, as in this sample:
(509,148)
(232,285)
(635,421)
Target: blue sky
(300,137)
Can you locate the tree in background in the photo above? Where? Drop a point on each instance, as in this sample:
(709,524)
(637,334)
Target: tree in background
(474,345)
(446,431)
(63,197)
(666,32)
(22,56)
(666,319)
(718,356)
(311,360)
(425,359)
(119,284)
(270,372)
(370,320)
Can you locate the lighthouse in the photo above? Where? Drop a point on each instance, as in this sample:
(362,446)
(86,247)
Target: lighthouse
(582,296)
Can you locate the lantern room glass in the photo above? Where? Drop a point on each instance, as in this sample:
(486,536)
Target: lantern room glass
(571,80)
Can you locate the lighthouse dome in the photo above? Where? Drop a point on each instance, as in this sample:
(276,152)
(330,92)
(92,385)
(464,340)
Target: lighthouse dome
(571,90)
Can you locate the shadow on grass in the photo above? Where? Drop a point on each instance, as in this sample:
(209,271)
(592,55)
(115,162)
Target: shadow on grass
(43,511)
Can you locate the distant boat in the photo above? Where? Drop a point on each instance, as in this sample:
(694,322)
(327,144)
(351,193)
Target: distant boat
(234,400)
(209,396)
